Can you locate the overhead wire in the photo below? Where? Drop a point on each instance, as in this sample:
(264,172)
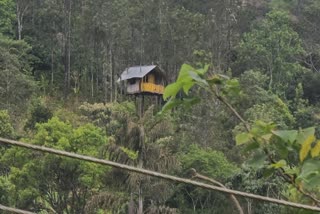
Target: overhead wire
(14,210)
(156,174)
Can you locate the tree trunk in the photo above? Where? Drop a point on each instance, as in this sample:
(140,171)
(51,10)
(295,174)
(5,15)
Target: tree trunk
(131,205)
(140,202)
(67,48)
(21,7)
(52,67)
(105,82)
(92,84)
(19,25)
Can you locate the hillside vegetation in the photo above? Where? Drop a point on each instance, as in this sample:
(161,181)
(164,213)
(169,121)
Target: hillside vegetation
(242,105)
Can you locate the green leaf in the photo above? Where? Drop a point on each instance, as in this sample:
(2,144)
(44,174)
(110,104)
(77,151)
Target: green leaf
(291,170)
(279,164)
(286,135)
(282,149)
(197,78)
(306,147)
(184,73)
(313,181)
(266,137)
(304,134)
(251,146)
(186,87)
(243,138)
(309,167)
(133,155)
(268,172)
(315,151)
(171,104)
(172,90)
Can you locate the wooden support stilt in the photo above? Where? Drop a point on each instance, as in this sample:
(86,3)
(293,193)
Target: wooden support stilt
(142,106)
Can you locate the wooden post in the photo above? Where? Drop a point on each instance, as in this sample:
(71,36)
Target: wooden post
(142,106)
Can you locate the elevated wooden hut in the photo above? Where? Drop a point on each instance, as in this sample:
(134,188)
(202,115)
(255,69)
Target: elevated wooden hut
(148,79)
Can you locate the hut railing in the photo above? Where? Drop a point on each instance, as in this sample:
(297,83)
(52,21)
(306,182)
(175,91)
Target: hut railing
(152,88)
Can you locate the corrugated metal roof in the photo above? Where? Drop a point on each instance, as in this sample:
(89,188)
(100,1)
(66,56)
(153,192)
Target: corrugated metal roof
(136,72)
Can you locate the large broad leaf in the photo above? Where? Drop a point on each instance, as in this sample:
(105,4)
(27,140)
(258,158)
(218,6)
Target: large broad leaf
(310,172)
(315,151)
(282,149)
(187,86)
(304,134)
(184,73)
(243,138)
(313,181)
(306,147)
(197,78)
(286,135)
(172,90)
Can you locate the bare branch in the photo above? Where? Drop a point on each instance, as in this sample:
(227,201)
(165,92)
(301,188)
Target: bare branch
(205,178)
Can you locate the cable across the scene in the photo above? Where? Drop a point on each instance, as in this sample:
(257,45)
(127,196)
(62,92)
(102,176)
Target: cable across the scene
(155,174)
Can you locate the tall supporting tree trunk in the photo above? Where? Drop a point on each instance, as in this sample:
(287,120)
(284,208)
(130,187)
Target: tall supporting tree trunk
(67,48)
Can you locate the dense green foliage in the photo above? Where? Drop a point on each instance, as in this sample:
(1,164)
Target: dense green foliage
(44,181)
(241,106)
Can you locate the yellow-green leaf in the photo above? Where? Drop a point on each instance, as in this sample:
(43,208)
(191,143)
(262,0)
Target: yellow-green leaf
(304,134)
(315,151)
(243,138)
(171,90)
(279,164)
(184,73)
(187,86)
(306,147)
(266,137)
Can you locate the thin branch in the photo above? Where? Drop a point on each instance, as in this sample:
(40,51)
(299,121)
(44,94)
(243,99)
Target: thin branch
(217,183)
(288,178)
(233,110)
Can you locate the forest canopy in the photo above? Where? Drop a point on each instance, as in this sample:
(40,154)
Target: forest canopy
(241,104)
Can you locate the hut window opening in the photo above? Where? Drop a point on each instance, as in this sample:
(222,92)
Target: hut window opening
(132,81)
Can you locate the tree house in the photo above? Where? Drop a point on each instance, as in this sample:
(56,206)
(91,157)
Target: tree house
(144,80)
